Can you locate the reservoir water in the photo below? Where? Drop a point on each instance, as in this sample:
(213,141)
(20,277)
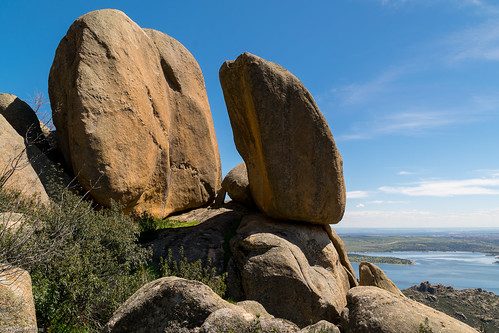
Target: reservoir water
(462,270)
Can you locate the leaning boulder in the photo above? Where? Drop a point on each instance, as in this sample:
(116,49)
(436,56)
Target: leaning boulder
(167,300)
(292,269)
(132,117)
(17,308)
(295,170)
(372,275)
(372,309)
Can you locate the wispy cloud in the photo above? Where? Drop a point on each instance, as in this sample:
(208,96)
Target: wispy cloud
(476,43)
(406,123)
(357,194)
(447,188)
(360,93)
(405,173)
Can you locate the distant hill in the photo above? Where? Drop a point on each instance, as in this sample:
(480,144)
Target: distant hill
(364,243)
(475,307)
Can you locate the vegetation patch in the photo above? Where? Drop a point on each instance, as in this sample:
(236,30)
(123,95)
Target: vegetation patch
(193,271)
(353,257)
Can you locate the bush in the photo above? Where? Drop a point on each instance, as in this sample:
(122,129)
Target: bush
(425,328)
(193,271)
(83,263)
(99,265)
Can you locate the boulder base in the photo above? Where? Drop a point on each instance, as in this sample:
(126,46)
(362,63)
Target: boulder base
(292,269)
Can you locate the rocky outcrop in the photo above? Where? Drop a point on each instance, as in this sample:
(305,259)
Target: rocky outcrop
(17,308)
(292,269)
(474,307)
(372,309)
(169,299)
(23,168)
(173,304)
(294,168)
(236,184)
(372,275)
(132,117)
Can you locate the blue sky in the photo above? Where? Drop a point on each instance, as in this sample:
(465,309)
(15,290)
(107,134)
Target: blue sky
(409,88)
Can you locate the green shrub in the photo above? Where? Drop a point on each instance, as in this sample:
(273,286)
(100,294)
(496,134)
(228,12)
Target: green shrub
(97,266)
(425,328)
(193,271)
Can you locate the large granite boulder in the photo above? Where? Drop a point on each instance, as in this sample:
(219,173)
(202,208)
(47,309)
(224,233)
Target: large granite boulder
(295,170)
(374,310)
(22,166)
(372,275)
(293,269)
(132,117)
(17,308)
(161,302)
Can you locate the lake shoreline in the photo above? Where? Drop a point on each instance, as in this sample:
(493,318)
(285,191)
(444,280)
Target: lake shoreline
(446,267)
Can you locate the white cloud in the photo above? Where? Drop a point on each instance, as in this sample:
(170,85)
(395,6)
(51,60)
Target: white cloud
(390,202)
(405,173)
(357,194)
(419,219)
(447,188)
(360,205)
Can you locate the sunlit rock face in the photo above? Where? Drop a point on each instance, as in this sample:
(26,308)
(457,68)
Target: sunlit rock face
(132,116)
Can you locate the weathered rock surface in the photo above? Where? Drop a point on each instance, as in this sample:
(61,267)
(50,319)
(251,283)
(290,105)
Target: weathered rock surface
(17,308)
(321,327)
(292,269)
(240,321)
(203,241)
(132,117)
(294,168)
(195,169)
(255,309)
(169,299)
(22,166)
(342,252)
(372,275)
(374,310)
(22,118)
(236,184)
